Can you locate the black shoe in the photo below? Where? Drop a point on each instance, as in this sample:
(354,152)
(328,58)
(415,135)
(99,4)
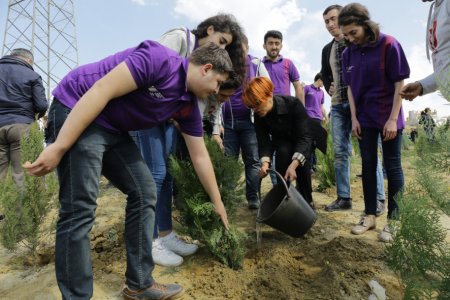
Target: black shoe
(156,291)
(339,204)
(2,217)
(253,204)
(380,208)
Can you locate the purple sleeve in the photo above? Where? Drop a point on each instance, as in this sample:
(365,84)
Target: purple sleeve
(293,73)
(190,120)
(397,67)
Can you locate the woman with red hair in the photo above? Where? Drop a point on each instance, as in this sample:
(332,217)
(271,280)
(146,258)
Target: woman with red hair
(282,125)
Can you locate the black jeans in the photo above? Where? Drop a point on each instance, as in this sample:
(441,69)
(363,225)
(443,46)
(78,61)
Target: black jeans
(284,151)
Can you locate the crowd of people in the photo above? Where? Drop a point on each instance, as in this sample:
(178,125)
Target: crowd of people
(123,116)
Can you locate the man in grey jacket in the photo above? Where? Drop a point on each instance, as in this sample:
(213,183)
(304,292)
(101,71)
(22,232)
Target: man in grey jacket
(438,43)
(22,97)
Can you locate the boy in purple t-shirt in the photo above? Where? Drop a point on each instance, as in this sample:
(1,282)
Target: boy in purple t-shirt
(93,109)
(374,67)
(314,99)
(281,70)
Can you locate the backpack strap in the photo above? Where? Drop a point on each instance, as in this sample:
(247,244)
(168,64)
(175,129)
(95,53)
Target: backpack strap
(258,66)
(188,40)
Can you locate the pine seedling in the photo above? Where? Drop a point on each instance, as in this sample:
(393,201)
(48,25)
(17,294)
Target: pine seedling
(197,210)
(27,208)
(419,252)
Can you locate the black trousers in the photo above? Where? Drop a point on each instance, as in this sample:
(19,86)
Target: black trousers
(283,157)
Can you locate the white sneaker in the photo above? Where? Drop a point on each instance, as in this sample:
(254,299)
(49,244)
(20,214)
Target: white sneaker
(175,244)
(386,235)
(163,256)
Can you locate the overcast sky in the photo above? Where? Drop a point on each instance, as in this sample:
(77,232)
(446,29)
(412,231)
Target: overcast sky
(107,26)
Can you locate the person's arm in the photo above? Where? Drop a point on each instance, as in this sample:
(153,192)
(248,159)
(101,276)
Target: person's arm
(303,139)
(418,88)
(322,107)
(390,128)
(262,70)
(205,172)
(325,69)
(217,125)
(324,112)
(116,83)
(299,92)
(176,39)
(264,146)
(356,127)
(40,103)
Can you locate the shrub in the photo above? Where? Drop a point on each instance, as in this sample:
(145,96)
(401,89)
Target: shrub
(197,211)
(419,252)
(25,210)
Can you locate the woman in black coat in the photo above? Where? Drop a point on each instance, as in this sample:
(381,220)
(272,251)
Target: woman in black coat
(282,125)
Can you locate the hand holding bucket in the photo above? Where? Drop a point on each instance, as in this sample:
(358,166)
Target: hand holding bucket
(284,209)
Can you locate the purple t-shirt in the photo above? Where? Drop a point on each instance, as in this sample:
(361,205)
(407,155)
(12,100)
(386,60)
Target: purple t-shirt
(314,98)
(282,72)
(235,108)
(371,71)
(160,75)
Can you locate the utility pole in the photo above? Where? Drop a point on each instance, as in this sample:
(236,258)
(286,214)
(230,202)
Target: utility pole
(47,28)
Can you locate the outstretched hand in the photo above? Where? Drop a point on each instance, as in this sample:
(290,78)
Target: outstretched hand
(45,163)
(411,91)
(218,140)
(221,211)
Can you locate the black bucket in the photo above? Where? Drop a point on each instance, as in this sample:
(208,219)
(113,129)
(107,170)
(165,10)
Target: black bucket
(285,209)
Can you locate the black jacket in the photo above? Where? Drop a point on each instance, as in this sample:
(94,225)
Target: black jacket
(288,121)
(22,94)
(327,73)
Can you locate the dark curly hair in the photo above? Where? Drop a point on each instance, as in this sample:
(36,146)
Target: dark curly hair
(355,13)
(226,23)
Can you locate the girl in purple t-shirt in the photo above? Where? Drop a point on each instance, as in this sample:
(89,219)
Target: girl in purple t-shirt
(374,67)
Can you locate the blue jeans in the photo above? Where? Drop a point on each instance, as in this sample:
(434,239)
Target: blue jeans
(341,129)
(156,145)
(99,151)
(241,136)
(392,161)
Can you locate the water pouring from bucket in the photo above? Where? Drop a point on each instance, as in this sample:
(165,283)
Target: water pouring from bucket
(285,209)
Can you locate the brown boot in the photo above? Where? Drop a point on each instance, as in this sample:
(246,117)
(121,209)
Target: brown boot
(367,222)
